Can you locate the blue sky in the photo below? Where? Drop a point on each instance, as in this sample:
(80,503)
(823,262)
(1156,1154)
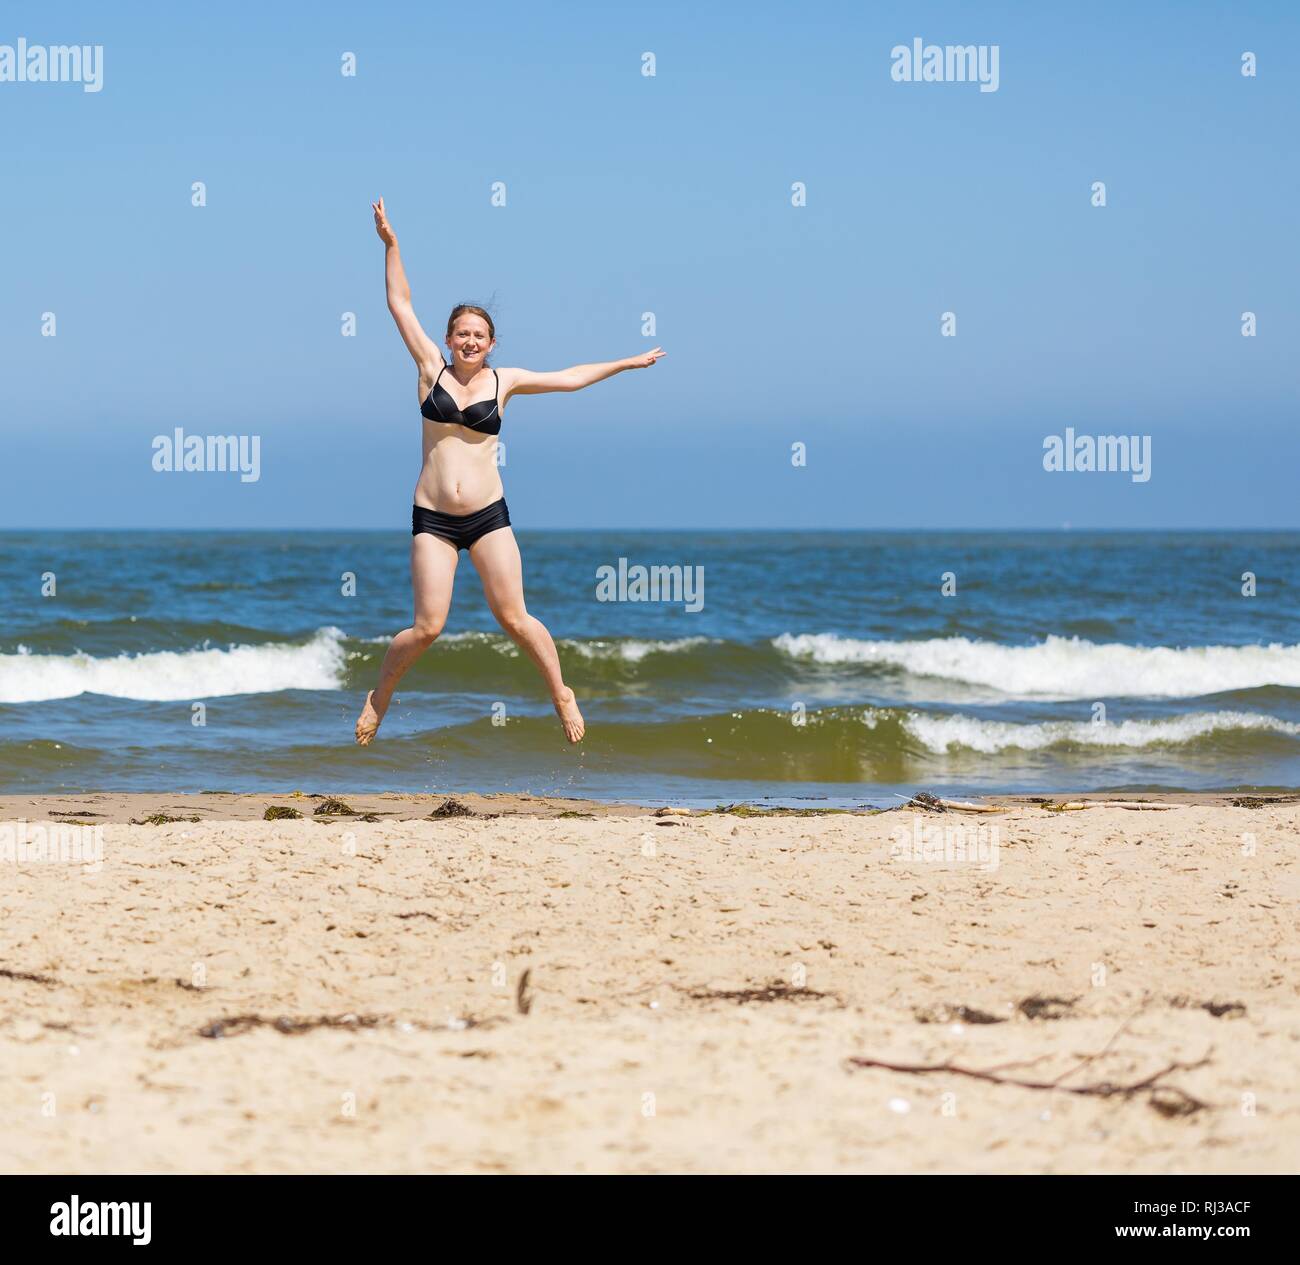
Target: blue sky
(626,194)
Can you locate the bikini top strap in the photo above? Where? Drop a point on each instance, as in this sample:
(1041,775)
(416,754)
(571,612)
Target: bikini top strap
(497,380)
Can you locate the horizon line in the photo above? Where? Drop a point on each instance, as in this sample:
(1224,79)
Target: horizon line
(299,528)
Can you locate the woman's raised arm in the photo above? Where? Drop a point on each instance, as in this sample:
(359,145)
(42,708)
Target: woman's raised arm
(422,348)
(531,382)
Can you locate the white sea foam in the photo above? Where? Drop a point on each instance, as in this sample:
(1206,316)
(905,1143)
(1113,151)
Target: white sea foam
(386,638)
(943,733)
(171,675)
(1064,667)
(632,650)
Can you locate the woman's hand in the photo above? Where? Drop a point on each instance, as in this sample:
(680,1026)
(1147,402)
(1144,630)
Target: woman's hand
(382,226)
(645,359)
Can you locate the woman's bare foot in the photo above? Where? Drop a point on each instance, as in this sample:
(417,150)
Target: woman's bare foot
(566,707)
(368,722)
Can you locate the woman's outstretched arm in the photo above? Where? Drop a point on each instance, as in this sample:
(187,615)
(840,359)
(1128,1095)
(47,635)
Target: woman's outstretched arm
(530,382)
(418,343)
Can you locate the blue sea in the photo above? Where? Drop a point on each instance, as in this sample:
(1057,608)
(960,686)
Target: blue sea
(838,668)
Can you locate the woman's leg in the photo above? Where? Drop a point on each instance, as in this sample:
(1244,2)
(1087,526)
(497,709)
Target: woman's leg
(496,558)
(433,568)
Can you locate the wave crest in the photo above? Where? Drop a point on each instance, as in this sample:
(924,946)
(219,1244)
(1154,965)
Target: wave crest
(1063,667)
(942,733)
(168,675)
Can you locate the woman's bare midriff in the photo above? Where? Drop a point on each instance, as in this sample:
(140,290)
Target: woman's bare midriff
(459,473)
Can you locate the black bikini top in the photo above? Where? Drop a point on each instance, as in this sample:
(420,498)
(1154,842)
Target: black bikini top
(438,406)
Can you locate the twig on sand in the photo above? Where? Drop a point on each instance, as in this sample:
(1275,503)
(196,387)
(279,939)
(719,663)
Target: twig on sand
(1177,1102)
(1136,806)
(523,1000)
(1115,1036)
(933,804)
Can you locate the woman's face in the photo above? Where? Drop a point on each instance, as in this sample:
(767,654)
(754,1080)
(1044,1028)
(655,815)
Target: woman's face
(469,341)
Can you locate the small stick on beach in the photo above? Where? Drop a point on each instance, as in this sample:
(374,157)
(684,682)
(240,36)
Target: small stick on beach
(1186,1104)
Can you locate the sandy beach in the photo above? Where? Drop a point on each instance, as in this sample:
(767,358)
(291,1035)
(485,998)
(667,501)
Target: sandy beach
(562,986)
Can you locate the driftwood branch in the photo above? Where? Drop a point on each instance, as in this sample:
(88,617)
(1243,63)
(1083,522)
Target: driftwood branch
(1180,1103)
(1175,1102)
(1105,1049)
(1136,806)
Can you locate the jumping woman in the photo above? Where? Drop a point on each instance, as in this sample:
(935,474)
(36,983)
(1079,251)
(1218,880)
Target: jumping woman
(459,500)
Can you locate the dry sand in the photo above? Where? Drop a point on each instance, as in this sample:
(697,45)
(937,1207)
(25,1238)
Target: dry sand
(412,936)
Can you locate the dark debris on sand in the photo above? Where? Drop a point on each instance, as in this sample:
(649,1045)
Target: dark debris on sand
(1219,1009)
(926,802)
(752,810)
(1262,801)
(236,1024)
(1040,1007)
(290,1026)
(954,1014)
(330,807)
(278,813)
(523,998)
(454,808)
(26,977)
(776,991)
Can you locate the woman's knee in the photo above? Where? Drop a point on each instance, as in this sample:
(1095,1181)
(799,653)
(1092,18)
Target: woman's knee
(426,631)
(514,620)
